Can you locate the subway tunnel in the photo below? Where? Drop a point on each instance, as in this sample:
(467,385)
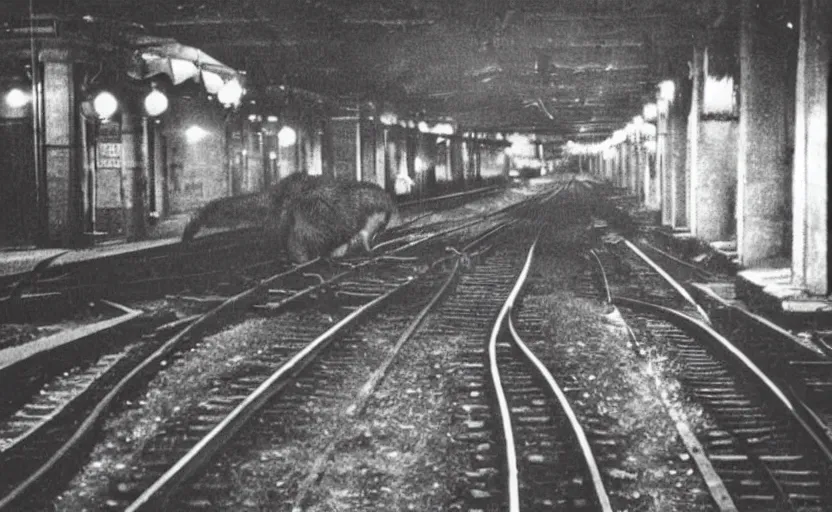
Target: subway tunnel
(713,114)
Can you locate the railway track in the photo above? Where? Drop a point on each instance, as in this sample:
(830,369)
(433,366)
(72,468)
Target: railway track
(763,447)
(328,282)
(794,364)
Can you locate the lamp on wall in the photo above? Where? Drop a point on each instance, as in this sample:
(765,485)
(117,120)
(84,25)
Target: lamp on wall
(155,103)
(286,137)
(17,98)
(105,105)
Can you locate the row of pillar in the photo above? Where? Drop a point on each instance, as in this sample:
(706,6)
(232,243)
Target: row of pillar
(755,175)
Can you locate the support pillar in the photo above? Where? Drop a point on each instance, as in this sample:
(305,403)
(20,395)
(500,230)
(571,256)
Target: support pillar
(663,161)
(380,151)
(62,152)
(761,167)
(135,177)
(692,160)
(366,146)
(678,141)
(810,244)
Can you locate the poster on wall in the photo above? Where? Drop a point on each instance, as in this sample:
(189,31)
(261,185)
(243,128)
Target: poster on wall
(108,164)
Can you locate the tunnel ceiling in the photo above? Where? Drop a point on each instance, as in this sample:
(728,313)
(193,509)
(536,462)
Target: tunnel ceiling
(575,69)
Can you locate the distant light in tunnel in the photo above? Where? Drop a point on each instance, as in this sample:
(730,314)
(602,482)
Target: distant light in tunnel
(423,127)
(790,25)
(443,129)
(155,103)
(667,90)
(286,137)
(388,118)
(271,119)
(105,105)
(17,98)
(650,111)
(231,93)
(195,134)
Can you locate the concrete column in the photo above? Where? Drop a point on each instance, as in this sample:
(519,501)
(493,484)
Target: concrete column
(810,244)
(678,142)
(692,159)
(457,163)
(62,151)
(380,150)
(621,165)
(663,161)
(346,156)
(713,171)
(761,166)
(135,173)
(366,146)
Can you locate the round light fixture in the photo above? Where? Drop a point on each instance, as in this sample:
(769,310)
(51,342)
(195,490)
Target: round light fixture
(105,105)
(155,103)
(286,137)
(17,98)
(195,133)
(650,111)
(231,93)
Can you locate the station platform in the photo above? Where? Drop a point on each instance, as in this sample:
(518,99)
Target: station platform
(766,290)
(18,260)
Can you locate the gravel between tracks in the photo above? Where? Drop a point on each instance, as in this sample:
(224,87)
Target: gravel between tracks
(402,456)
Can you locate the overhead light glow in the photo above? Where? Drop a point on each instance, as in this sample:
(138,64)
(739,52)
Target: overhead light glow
(423,127)
(667,90)
(388,118)
(231,93)
(105,105)
(443,129)
(195,134)
(286,137)
(271,119)
(17,98)
(155,103)
(650,112)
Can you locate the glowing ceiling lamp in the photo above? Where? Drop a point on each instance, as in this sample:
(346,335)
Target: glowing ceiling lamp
(650,111)
(286,137)
(443,129)
(155,103)
(231,93)
(667,90)
(195,134)
(17,98)
(105,104)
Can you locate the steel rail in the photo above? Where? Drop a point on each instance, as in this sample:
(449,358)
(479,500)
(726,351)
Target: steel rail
(465,193)
(785,398)
(496,381)
(155,495)
(604,282)
(87,427)
(359,403)
(239,301)
(759,320)
(555,389)
(701,271)
(667,277)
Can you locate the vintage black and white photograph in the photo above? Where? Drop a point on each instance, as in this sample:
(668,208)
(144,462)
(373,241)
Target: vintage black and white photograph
(415,255)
